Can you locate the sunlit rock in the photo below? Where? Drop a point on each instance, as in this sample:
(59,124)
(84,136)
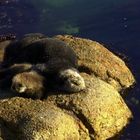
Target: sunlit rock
(98,112)
(95,59)
(33,120)
(100,107)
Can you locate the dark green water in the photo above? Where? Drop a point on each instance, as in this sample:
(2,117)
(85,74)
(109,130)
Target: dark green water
(115,23)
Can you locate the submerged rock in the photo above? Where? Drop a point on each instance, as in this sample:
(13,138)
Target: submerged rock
(95,59)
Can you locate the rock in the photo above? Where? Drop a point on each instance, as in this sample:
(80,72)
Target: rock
(3,45)
(100,107)
(22,119)
(98,112)
(95,59)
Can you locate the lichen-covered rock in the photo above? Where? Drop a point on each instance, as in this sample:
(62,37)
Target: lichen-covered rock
(100,107)
(95,59)
(25,119)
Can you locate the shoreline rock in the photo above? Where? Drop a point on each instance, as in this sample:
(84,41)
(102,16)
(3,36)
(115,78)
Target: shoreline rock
(100,107)
(28,119)
(98,112)
(95,59)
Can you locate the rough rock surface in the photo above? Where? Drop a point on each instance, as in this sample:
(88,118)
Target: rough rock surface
(25,119)
(100,107)
(95,59)
(98,112)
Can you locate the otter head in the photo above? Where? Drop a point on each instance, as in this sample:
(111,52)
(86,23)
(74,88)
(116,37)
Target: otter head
(29,84)
(72,80)
(18,87)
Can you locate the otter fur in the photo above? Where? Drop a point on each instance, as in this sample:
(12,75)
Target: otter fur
(50,60)
(29,84)
(6,74)
(43,50)
(33,83)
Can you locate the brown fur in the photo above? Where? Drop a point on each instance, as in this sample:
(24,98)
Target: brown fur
(6,74)
(52,58)
(30,84)
(14,69)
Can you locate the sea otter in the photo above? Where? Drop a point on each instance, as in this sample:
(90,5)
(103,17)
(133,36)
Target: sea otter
(51,58)
(36,50)
(32,83)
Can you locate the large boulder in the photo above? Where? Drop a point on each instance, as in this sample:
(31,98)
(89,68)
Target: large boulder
(25,119)
(95,59)
(100,107)
(98,112)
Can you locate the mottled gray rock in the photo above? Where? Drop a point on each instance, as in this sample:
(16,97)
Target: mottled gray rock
(95,59)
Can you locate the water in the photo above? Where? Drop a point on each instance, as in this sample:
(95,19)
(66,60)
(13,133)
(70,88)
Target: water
(113,23)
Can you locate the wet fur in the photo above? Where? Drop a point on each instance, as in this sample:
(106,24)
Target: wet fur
(6,74)
(32,60)
(39,51)
(29,84)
